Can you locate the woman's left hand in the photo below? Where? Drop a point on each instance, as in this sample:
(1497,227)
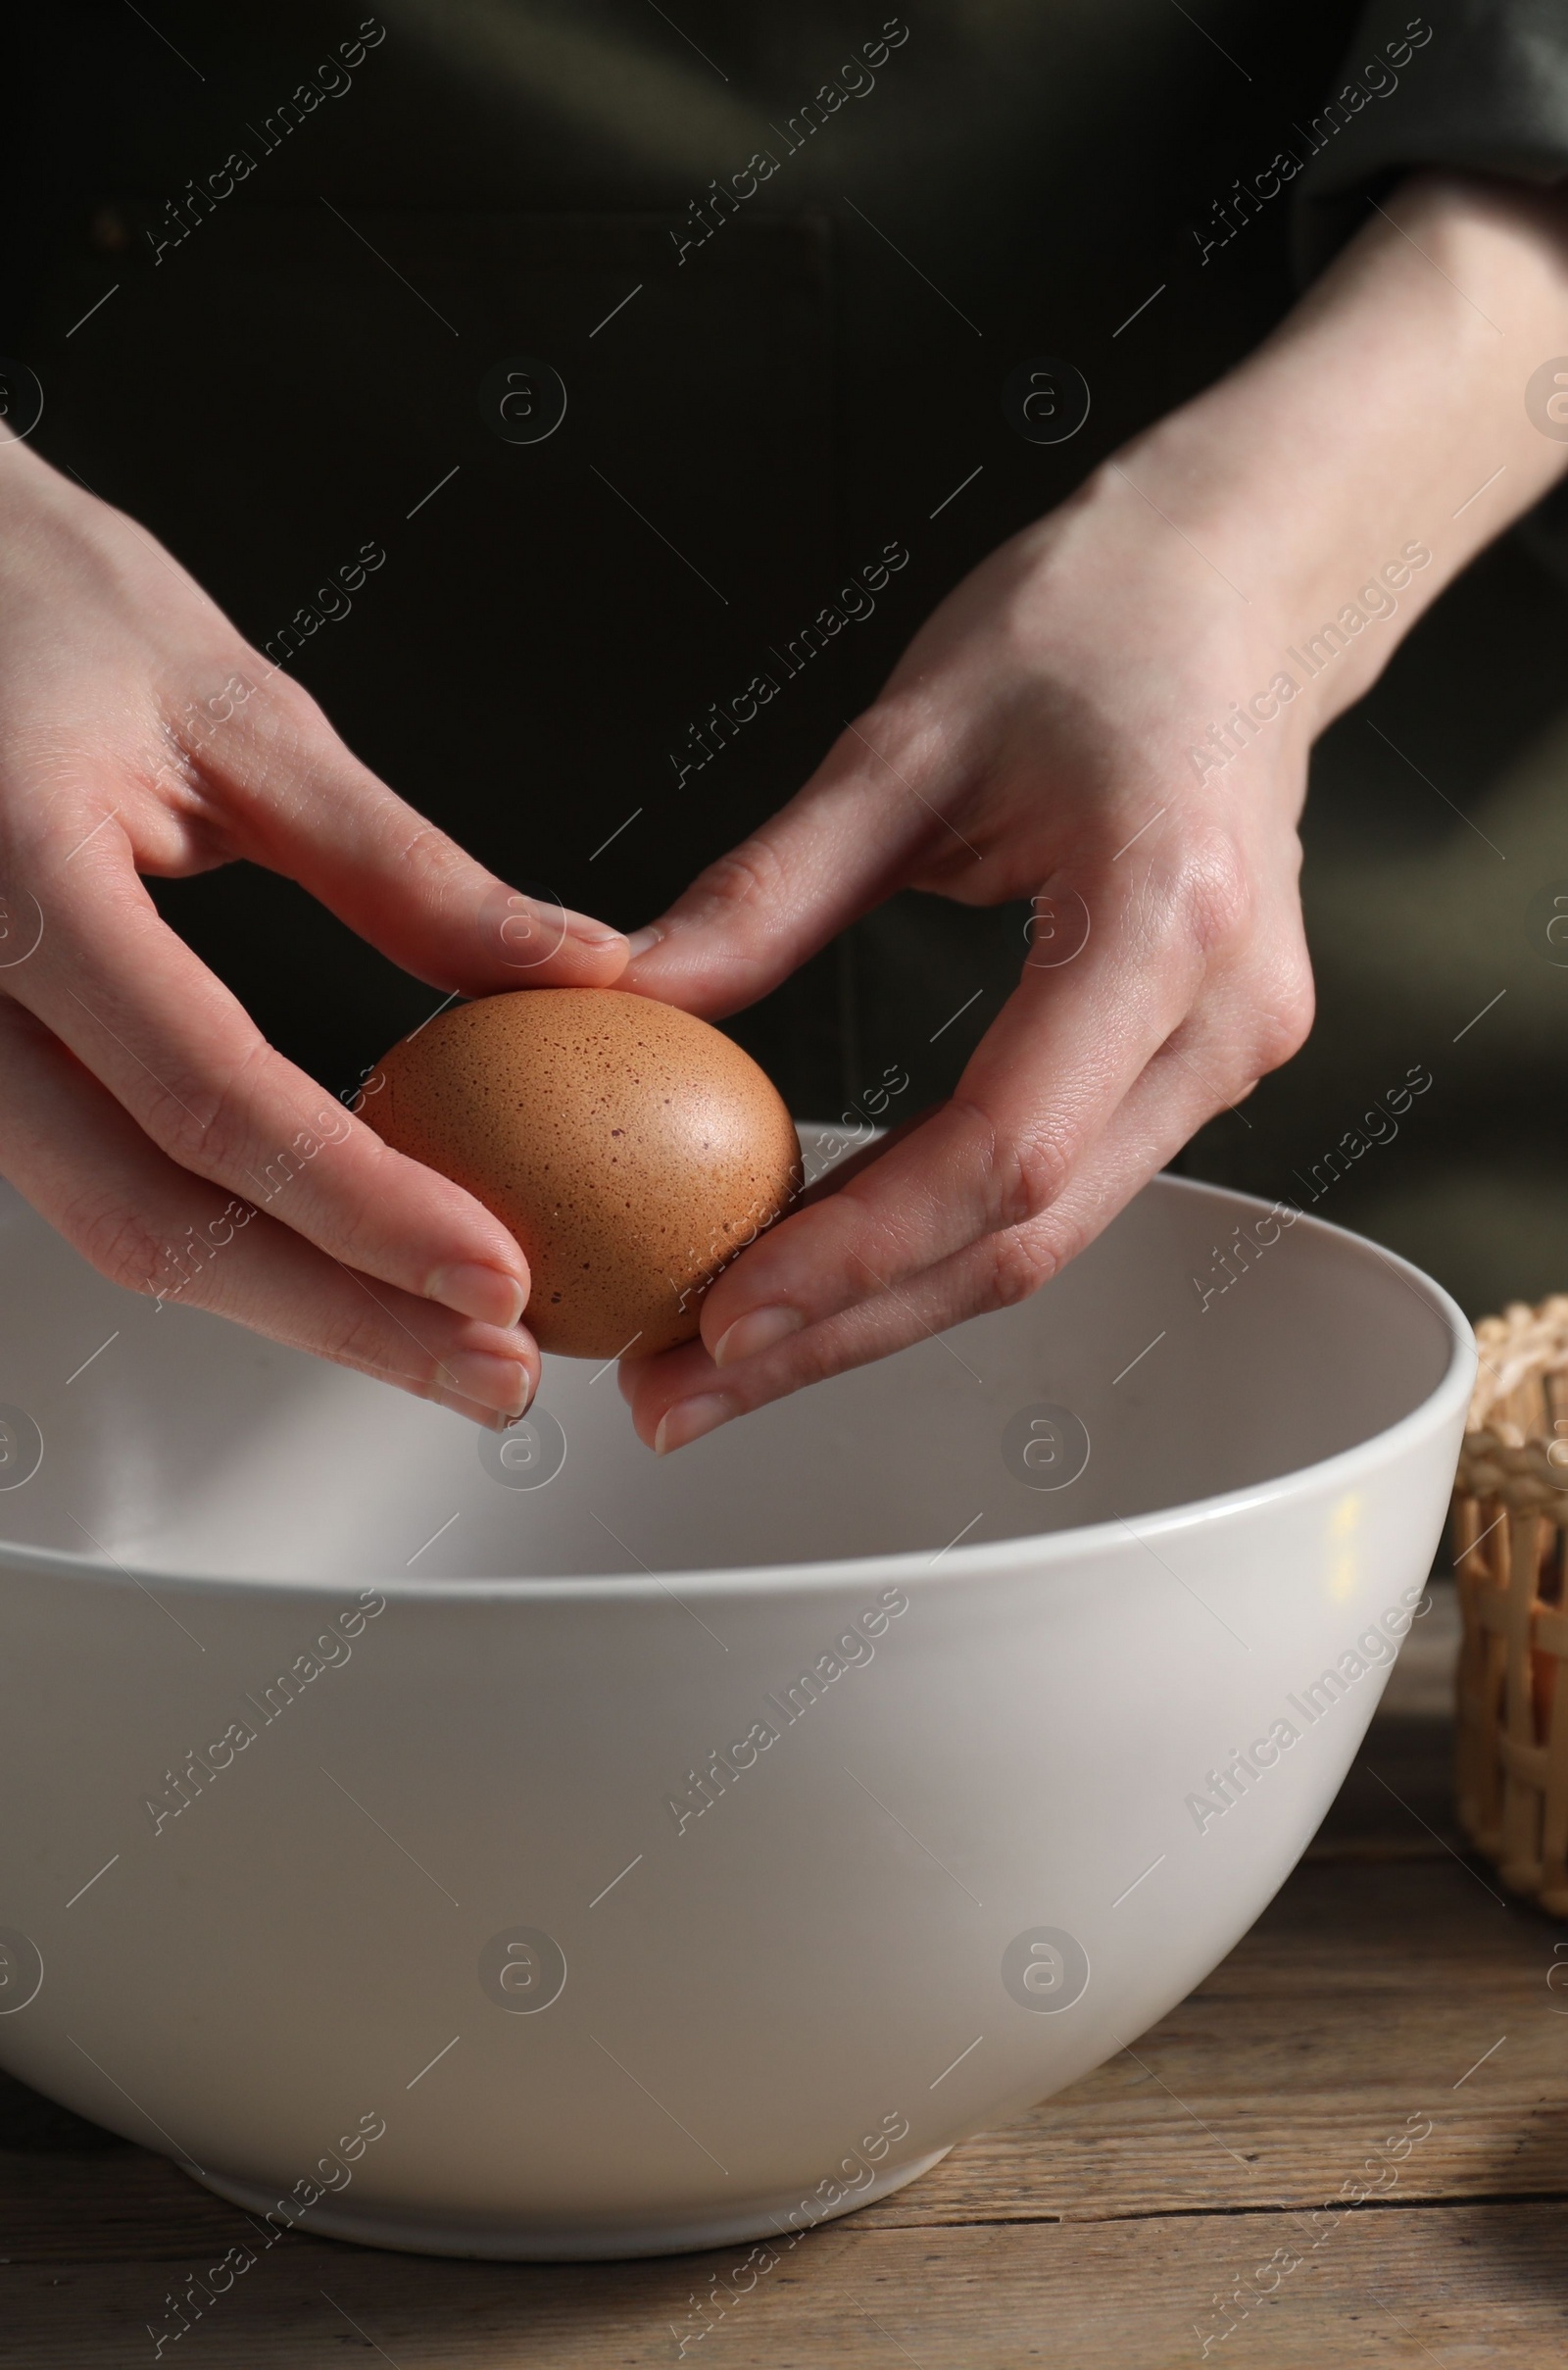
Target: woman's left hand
(1061,729)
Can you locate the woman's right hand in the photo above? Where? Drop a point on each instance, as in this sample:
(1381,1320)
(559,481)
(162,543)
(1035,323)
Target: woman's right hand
(141,1109)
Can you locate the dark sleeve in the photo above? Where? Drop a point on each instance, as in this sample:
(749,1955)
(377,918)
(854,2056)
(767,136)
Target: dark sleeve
(1478,85)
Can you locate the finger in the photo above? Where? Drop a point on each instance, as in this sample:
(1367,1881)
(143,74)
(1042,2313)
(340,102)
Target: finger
(112,982)
(833,1180)
(841,846)
(83,1163)
(1038,1090)
(293,797)
(680,1395)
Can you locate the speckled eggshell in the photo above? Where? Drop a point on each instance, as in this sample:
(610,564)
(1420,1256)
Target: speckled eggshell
(630,1147)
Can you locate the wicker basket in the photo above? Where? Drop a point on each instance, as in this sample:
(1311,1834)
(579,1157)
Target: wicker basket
(1510,1552)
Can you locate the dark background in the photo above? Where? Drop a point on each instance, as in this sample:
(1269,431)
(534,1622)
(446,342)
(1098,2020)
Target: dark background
(807,386)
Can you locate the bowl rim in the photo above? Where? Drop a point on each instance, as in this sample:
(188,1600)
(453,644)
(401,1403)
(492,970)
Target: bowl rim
(1041,1550)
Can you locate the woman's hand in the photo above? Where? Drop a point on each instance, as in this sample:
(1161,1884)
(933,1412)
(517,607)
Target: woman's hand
(1030,744)
(141,1110)
(1112,716)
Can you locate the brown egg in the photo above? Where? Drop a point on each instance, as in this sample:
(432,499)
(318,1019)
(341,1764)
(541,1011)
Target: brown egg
(631,1149)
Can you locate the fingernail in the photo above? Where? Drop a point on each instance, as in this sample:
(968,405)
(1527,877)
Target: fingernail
(587,932)
(494,1382)
(528,930)
(642,940)
(489,1419)
(689,1419)
(487,1294)
(758,1330)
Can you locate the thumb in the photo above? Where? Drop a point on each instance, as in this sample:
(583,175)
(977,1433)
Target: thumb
(300,803)
(843,844)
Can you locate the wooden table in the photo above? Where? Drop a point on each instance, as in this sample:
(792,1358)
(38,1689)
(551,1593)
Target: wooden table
(1389,2022)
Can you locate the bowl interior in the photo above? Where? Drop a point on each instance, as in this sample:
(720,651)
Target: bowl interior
(189,1446)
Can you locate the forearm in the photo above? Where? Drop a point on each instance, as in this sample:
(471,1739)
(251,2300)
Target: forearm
(1388,410)
(1111,715)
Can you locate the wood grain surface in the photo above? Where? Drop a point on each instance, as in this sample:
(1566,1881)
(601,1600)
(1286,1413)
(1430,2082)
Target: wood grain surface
(1387,2029)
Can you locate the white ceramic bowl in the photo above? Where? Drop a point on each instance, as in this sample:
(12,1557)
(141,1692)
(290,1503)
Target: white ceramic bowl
(358,1848)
